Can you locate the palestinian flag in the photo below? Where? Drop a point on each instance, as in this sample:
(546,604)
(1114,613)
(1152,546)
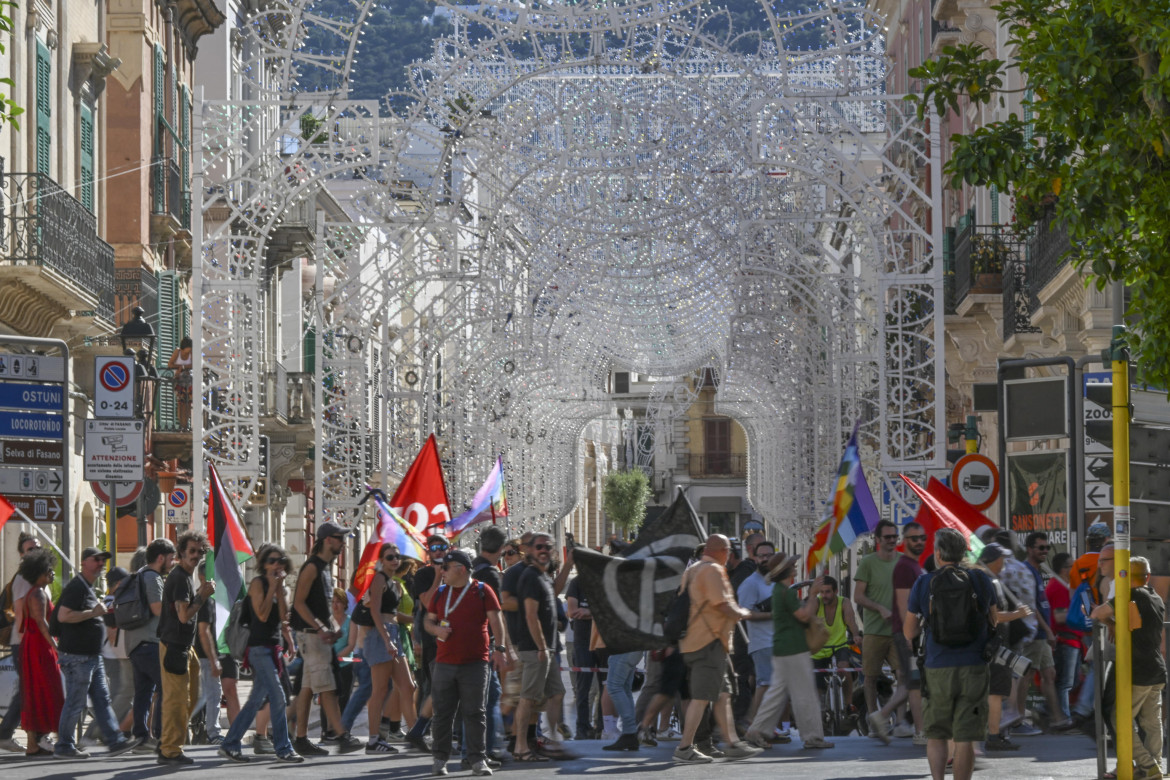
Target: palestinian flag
(230,550)
(943,508)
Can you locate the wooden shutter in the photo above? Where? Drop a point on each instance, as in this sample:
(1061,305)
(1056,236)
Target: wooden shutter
(717,445)
(87,179)
(168,298)
(44,109)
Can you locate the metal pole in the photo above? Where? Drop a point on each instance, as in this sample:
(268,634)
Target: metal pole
(197,194)
(112,527)
(1123,712)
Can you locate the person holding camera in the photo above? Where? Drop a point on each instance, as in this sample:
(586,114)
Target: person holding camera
(267,608)
(957,628)
(991,560)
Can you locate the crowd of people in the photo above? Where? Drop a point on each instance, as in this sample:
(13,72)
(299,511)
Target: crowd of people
(463,657)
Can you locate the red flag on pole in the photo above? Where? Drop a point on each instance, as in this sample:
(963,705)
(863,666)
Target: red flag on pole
(6,510)
(942,507)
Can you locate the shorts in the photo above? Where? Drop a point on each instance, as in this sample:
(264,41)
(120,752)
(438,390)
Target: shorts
(539,680)
(842,656)
(317,672)
(955,706)
(709,672)
(229,667)
(762,659)
(877,650)
(911,676)
(1001,680)
(374,649)
(1039,652)
(510,687)
(674,677)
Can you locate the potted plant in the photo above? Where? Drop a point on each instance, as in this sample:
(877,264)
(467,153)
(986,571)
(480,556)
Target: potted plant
(989,255)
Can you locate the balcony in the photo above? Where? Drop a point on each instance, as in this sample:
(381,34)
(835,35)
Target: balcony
(57,272)
(718,464)
(287,396)
(170,200)
(1047,250)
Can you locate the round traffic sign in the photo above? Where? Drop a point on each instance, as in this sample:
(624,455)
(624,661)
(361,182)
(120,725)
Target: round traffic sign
(178,498)
(127,492)
(114,376)
(976,479)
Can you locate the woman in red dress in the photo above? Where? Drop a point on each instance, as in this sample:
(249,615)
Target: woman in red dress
(43,694)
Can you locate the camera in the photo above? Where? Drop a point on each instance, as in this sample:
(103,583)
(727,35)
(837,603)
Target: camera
(997,653)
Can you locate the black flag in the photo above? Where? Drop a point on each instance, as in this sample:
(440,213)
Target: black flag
(629,596)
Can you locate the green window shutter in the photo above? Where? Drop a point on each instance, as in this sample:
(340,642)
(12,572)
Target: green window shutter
(185,134)
(1029,124)
(44,109)
(87,180)
(994,205)
(309,360)
(168,341)
(160,96)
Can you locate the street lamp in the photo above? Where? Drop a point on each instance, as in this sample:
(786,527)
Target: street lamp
(137,338)
(138,334)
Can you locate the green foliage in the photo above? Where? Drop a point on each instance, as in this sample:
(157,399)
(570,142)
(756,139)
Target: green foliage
(311,129)
(1098,79)
(624,496)
(8,108)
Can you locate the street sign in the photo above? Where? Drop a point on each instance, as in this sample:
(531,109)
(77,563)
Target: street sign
(128,492)
(39,508)
(32,426)
(25,397)
(39,368)
(115,450)
(40,482)
(976,480)
(114,389)
(31,453)
(178,507)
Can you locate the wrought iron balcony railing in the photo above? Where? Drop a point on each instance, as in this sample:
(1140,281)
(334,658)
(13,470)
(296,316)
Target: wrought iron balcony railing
(1047,250)
(718,464)
(168,192)
(45,226)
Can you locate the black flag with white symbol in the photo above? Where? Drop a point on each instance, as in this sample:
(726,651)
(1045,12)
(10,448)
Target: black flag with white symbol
(629,596)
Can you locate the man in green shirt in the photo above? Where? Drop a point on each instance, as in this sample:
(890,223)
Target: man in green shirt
(874,592)
(792,670)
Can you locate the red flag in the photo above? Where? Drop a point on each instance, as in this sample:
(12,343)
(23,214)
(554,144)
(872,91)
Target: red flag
(421,500)
(6,510)
(942,507)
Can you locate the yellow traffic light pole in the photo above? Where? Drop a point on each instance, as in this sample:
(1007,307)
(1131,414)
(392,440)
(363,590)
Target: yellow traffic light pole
(1124,664)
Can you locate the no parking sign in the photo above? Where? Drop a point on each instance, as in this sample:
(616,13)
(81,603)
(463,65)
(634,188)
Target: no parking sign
(179,506)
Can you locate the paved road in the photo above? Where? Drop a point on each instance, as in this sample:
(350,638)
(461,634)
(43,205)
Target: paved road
(1062,757)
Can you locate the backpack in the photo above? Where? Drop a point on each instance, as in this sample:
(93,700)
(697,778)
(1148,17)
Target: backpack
(7,613)
(1080,604)
(238,629)
(131,609)
(955,617)
(55,621)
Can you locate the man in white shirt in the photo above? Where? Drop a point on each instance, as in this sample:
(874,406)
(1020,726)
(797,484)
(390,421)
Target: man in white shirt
(25,544)
(755,595)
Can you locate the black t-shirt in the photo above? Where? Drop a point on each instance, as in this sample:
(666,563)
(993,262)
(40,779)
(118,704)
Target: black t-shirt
(319,598)
(178,588)
(266,634)
(537,585)
(1149,668)
(486,572)
(582,627)
(740,573)
(206,615)
(510,583)
(424,578)
(84,638)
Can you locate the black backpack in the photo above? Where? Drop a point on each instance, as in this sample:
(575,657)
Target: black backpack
(131,609)
(955,618)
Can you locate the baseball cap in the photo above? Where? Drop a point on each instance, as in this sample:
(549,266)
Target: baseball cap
(458,556)
(330,528)
(992,553)
(1098,530)
(93,552)
(116,575)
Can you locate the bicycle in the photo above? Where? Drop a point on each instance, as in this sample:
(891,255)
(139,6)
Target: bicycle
(837,712)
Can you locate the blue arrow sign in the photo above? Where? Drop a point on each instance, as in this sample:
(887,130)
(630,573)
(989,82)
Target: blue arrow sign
(32,426)
(19,396)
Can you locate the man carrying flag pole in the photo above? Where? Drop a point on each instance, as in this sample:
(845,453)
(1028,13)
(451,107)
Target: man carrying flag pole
(230,551)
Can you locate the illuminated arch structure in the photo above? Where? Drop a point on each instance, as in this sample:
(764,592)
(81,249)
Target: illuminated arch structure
(566,189)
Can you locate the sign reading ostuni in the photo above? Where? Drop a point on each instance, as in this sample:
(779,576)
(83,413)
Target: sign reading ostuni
(32,434)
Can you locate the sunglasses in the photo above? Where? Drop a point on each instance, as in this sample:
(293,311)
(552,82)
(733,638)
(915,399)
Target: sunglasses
(391,558)
(511,551)
(271,561)
(887,537)
(542,547)
(916,538)
(1041,547)
(438,547)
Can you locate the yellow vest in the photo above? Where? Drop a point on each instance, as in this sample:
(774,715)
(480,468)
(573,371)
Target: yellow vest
(837,632)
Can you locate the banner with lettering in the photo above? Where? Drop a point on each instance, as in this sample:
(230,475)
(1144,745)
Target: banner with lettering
(1037,485)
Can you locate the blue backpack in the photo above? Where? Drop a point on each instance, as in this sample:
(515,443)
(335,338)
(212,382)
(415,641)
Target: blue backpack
(1080,605)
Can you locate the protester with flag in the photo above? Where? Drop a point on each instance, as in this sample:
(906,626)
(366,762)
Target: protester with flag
(489,504)
(942,508)
(230,551)
(850,512)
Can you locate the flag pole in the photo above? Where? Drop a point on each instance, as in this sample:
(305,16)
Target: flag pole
(25,518)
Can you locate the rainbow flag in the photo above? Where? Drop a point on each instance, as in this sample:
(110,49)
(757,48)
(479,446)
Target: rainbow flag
(490,502)
(230,550)
(850,512)
(390,529)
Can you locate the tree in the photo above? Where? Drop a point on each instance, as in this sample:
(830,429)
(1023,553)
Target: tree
(624,496)
(8,108)
(1097,78)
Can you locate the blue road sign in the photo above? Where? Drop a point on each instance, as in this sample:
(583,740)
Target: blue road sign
(20,396)
(32,426)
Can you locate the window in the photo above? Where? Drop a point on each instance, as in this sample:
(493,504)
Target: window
(717,445)
(722,523)
(44,109)
(621,382)
(87,185)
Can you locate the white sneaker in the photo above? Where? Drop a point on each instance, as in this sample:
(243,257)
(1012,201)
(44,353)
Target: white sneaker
(879,727)
(670,735)
(609,736)
(902,731)
(11,745)
(920,740)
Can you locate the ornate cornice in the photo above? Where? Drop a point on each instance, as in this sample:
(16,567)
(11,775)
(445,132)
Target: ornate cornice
(194,19)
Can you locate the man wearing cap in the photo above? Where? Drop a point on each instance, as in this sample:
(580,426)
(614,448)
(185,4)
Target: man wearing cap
(991,560)
(1085,568)
(312,620)
(458,617)
(79,647)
